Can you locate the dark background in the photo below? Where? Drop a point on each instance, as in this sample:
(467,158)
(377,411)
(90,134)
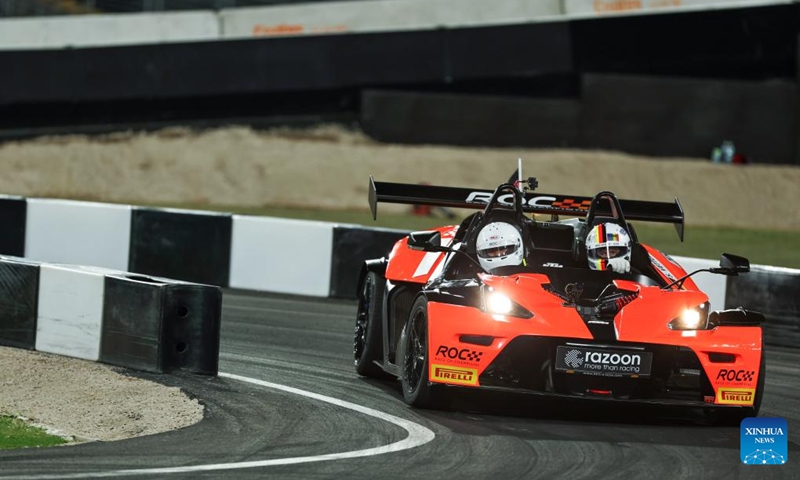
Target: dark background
(667,85)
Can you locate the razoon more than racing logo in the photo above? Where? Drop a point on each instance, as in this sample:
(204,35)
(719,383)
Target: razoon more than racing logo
(764,441)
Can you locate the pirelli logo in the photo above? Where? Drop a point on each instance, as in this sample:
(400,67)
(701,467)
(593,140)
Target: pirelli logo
(735,396)
(454,375)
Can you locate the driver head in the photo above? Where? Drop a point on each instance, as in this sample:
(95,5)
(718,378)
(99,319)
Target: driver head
(606,243)
(499,244)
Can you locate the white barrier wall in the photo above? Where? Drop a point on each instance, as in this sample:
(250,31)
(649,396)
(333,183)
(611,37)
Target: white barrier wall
(319,17)
(379,15)
(712,284)
(617,7)
(107,30)
(70,312)
(281,255)
(81,233)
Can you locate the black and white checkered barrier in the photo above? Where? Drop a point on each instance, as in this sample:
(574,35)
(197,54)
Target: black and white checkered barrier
(134,321)
(235,251)
(290,256)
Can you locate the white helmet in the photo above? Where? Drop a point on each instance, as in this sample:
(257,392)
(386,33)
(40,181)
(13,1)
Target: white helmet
(608,247)
(499,244)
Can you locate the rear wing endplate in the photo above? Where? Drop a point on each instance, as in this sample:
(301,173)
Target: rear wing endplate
(534,202)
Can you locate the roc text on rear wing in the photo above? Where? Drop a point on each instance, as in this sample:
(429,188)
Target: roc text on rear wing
(533,202)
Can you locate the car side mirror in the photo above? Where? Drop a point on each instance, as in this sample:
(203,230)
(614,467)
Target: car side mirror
(428,241)
(738,317)
(731,264)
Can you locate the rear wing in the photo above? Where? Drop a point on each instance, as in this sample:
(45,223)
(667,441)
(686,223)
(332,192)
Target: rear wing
(534,202)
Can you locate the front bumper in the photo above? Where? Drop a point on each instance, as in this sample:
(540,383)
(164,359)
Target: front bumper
(527,364)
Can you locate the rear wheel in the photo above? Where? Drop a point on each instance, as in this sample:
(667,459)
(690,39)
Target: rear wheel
(417,391)
(367,341)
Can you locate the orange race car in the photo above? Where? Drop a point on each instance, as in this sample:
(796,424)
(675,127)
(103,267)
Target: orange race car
(574,307)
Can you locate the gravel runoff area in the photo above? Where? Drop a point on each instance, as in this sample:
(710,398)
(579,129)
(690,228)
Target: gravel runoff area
(324,167)
(88,401)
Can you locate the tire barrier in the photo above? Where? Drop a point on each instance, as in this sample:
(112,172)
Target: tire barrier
(145,323)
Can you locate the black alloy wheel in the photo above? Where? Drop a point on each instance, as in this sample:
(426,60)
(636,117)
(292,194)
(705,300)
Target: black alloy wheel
(367,339)
(417,391)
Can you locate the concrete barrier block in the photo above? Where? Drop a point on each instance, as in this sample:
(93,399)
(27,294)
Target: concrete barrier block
(13,215)
(70,311)
(80,233)
(281,255)
(189,245)
(19,287)
(159,325)
(352,246)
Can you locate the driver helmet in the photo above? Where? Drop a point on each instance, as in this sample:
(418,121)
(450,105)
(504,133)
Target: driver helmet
(499,244)
(607,245)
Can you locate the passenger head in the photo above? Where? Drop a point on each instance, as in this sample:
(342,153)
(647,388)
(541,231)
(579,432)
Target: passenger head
(499,244)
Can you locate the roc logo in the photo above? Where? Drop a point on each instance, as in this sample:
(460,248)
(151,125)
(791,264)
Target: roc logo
(735,396)
(735,376)
(454,375)
(468,356)
(573,358)
(763,441)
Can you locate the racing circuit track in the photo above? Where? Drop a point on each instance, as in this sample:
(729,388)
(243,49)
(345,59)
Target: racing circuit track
(307,344)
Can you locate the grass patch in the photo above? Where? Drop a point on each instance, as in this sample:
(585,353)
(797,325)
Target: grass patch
(15,433)
(763,247)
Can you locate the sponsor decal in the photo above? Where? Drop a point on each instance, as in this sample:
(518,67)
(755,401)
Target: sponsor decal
(463,356)
(608,6)
(454,375)
(764,441)
(735,396)
(603,362)
(552,265)
(661,268)
(708,399)
(671,260)
(734,377)
(540,201)
(261,30)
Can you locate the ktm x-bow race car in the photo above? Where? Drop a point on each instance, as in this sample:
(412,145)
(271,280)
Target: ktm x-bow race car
(432,316)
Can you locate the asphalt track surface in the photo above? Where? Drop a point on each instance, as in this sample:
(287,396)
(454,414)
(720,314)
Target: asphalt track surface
(307,344)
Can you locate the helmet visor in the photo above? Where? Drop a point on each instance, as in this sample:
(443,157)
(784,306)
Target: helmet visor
(496,252)
(607,252)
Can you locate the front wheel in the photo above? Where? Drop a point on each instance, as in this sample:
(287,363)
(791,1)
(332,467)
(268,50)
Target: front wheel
(368,341)
(417,391)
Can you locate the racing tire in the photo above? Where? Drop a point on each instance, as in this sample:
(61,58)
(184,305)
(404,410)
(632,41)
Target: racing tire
(368,335)
(734,416)
(417,390)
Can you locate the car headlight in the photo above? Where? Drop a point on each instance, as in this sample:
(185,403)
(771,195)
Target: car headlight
(497,303)
(691,319)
